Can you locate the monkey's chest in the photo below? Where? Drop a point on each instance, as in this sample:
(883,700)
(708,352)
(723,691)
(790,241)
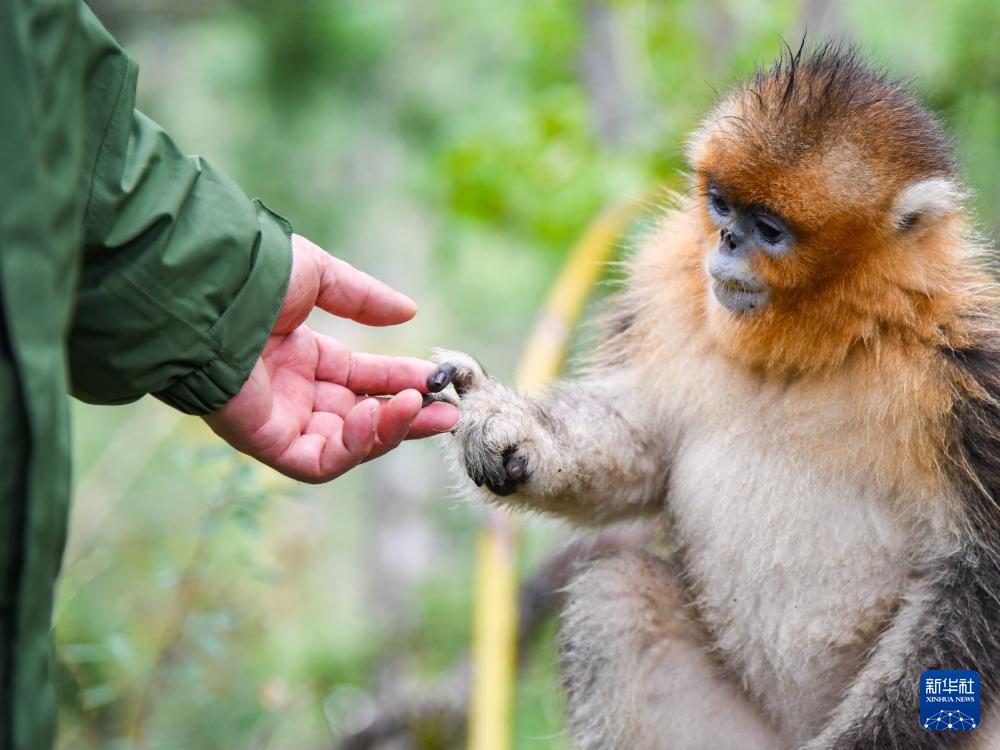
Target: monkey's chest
(797,566)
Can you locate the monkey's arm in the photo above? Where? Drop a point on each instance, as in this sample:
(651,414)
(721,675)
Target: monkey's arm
(584,451)
(948,621)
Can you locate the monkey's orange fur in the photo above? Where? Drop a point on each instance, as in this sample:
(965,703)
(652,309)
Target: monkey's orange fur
(856,297)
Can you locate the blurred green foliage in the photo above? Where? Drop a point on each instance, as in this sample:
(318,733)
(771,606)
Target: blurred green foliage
(455,149)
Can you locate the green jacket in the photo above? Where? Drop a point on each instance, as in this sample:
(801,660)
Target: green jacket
(126,268)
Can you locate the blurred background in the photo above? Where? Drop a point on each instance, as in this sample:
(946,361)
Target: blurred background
(455,149)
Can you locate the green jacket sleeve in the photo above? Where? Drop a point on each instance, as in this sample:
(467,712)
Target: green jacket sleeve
(182,275)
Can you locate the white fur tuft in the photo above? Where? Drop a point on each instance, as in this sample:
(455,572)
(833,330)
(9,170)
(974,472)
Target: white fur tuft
(934,197)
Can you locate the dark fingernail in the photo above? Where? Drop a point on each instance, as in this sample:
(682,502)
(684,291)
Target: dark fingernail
(440,378)
(514,467)
(427,400)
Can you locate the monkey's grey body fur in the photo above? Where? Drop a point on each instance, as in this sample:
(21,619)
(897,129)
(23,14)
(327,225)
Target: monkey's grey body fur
(800,575)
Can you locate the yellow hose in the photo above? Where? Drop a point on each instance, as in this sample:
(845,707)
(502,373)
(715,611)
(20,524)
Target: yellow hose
(494,637)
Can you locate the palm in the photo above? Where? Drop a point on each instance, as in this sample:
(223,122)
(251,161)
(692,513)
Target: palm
(290,366)
(307,409)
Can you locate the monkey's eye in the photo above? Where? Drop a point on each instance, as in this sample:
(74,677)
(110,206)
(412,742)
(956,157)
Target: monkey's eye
(768,231)
(719,204)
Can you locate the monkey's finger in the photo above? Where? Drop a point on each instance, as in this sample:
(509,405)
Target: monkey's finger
(468,372)
(501,475)
(441,377)
(516,467)
(434,398)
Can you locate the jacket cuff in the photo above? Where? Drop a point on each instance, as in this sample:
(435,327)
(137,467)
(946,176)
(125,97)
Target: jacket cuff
(245,326)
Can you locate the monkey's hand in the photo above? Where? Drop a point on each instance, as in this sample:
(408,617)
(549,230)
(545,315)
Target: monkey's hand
(573,453)
(499,437)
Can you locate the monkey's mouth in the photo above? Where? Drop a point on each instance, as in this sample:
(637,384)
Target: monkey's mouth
(740,296)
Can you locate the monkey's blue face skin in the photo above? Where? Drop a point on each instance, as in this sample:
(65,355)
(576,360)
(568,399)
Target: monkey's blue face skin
(744,230)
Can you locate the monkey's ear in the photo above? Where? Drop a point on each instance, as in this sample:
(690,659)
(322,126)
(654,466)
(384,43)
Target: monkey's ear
(923,200)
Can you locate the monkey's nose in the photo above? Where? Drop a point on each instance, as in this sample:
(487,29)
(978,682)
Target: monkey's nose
(730,239)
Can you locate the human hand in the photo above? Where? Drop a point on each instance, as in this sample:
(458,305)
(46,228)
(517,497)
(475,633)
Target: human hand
(306,409)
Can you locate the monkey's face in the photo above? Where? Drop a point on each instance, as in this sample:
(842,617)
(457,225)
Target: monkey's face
(825,207)
(746,231)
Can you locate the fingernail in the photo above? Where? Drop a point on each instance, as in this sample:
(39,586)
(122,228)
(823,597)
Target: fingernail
(427,400)
(440,378)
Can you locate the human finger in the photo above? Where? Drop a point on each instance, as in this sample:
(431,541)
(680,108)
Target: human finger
(433,420)
(349,293)
(370,373)
(334,398)
(358,438)
(331,445)
(395,418)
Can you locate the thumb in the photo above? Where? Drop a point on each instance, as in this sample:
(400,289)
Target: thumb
(303,286)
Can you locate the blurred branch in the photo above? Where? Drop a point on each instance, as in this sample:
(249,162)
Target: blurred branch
(440,712)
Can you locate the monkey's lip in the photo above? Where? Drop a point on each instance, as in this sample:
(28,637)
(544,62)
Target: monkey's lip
(740,296)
